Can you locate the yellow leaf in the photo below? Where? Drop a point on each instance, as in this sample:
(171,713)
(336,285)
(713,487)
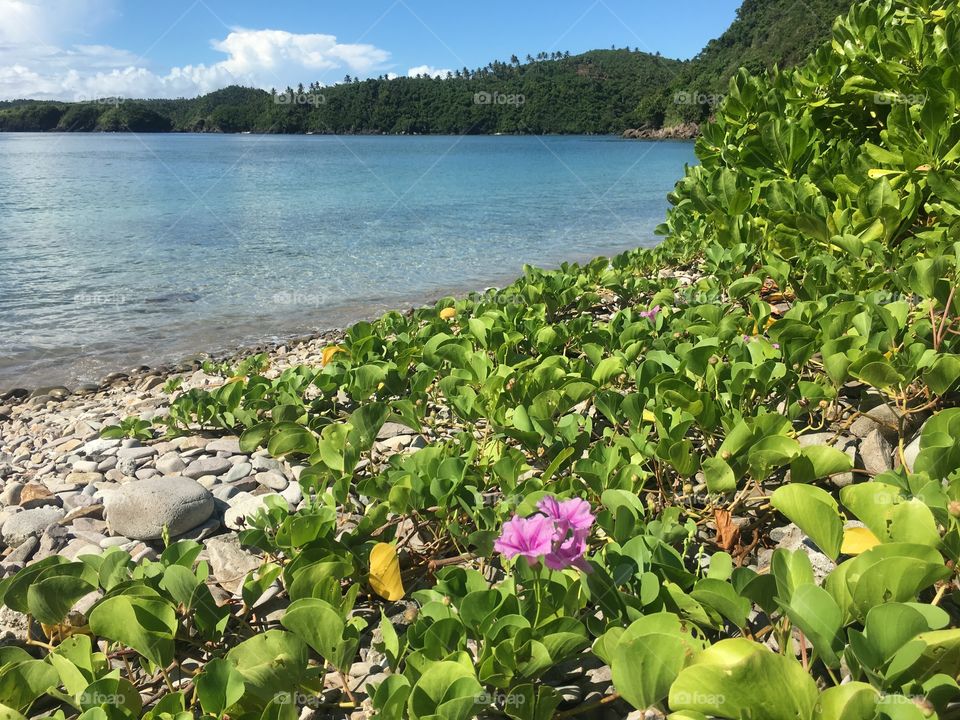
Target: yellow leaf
(448,313)
(857,540)
(649,416)
(328,354)
(771,321)
(875,173)
(385,572)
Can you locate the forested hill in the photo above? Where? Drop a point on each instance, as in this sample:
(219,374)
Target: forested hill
(601,91)
(765,33)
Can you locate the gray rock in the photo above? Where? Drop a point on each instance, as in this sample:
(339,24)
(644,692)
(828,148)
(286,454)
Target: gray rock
(228,445)
(242,506)
(791,537)
(140,510)
(263,464)
(24,552)
(911,452)
(876,454)
(273,480)
(85,466)
(238,472)
(53,540)
(136,453)
(207,466)
(229,562)
(293,494)
(13,626)
(170,463)
(880,416)
(127,466)
(11,493)
(29,523)
(392,429)
(77,548)
(816,439)
(98,447)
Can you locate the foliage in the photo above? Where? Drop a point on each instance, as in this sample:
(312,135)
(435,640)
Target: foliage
(820,234)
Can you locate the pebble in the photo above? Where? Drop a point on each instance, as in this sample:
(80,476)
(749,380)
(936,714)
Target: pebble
(243,505)
(170,463)
(238,472)
(229,445)
(135,453)
(876,454)
(262,463)
(35,495)
(207,466)
(273,480)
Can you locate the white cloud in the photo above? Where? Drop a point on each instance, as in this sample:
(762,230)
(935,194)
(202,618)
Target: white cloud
(34,62)
(429,71)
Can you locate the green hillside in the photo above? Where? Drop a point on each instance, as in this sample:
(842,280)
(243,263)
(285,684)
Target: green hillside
(597,92)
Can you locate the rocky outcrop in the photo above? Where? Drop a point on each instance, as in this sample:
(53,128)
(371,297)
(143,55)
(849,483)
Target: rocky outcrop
(684,131)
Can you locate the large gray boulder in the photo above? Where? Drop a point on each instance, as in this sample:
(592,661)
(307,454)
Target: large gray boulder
(140,509)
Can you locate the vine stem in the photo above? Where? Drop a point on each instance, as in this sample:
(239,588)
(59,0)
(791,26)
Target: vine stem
(346,686)
(613,697)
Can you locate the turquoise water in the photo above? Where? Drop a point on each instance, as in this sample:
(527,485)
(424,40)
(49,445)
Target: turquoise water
(117,250)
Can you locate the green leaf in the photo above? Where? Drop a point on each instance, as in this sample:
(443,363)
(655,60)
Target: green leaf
(447,690)
(814,611)
(853,701)
(322,627)
(290,438)
(145,624)
(56,589)
(719,475)
(270,663)
(815,512)
(648,656)
(738,678)
(819,461)
(219,686)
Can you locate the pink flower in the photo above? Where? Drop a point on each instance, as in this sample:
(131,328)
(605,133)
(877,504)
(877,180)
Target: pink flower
(569,552)
(558,535)
(775,346)
(573,514)
(650,314)
(530,537)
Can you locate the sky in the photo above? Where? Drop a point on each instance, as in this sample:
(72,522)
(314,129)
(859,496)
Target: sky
(88,49)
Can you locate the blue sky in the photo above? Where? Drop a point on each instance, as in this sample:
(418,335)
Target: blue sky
(76,49)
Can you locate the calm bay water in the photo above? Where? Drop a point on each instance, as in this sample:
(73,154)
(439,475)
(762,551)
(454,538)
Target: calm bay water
(117,250)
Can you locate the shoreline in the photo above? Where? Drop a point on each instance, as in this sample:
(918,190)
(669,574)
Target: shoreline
(294,333)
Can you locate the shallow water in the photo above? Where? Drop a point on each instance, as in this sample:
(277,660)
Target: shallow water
(117,250)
